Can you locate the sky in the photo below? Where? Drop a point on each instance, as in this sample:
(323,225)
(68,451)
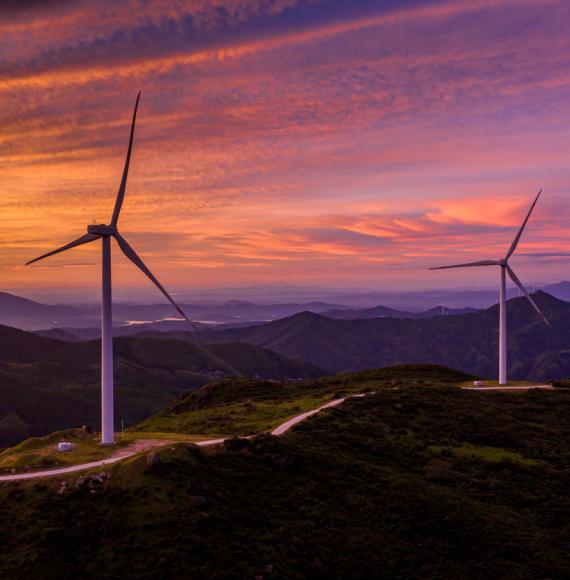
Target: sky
(309,142)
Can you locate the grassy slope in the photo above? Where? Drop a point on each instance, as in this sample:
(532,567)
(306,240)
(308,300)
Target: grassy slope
(408,483)
(41,452)
(244,407)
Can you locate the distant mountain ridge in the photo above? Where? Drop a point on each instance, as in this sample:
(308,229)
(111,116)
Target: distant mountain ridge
(352,341)
(385,312)
(23,313)
(559,290)
(31,315)
(93,332)
(467,342)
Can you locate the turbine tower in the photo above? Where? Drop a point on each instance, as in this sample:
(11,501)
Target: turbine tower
(105,232)
(504,270)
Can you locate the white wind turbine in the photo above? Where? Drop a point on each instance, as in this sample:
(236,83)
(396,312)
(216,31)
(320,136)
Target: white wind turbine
(105,233)
(505,269)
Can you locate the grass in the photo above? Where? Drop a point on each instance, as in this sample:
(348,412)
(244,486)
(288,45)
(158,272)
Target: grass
(409,483)
(41,452)
(233,419)
(495,383)
(246,406)
(483,452)
(230,407)
(136,435)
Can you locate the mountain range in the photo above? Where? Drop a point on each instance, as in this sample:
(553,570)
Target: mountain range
(31,315)
(385,312)
(93,332)
(468,342)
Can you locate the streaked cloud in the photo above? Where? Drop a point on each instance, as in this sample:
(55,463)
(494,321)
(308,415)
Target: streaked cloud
(285,140)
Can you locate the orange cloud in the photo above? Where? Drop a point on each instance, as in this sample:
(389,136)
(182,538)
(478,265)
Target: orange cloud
(359,145)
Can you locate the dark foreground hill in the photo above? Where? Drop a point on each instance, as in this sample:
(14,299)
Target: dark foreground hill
(419,482)
(47,384)
(468,342)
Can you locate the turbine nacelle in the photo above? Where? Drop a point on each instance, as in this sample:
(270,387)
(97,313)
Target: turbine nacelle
(102,230)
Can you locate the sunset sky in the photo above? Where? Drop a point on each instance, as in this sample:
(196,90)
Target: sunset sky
(330,142)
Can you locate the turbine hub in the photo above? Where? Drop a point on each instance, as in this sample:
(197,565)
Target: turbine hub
(102,230)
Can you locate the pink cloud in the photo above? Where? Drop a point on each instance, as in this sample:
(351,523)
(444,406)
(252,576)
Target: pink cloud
(402,138)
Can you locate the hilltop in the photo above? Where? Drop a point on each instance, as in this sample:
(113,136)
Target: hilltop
(420,481)
(245,406)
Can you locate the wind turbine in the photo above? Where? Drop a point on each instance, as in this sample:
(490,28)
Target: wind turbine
(504,270)
(105,232)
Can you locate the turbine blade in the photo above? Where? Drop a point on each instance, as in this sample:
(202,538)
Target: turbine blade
(519,233)
(123,186)
(78,242)
(133,257)
(515,279)
(469,265)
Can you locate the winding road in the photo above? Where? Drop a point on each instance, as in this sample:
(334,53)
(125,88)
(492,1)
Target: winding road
(148,444)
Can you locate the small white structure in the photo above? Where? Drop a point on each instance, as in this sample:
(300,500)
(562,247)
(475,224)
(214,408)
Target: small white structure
(478,383)
(64,446)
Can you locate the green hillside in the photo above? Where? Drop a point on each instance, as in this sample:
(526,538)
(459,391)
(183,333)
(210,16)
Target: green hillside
(245,406)
(48,385)
(419,481)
